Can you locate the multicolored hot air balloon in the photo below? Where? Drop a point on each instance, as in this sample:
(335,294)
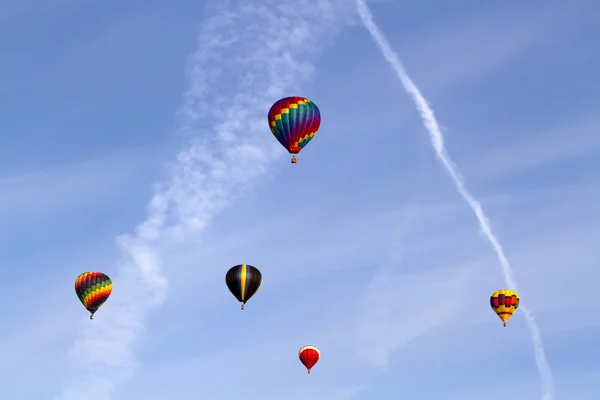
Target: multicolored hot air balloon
(504,303)
(294,121)
(309,356)
(93,288)
(243,282)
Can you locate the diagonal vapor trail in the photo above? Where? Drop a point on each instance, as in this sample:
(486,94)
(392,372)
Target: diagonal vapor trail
(248,56)
(437,140)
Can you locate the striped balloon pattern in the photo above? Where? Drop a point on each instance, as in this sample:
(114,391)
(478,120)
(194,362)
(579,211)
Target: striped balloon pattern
(93,288)
(243,281)
(504,303)
(294,121)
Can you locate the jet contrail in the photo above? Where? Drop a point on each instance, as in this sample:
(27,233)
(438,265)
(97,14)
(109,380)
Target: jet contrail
(437,140)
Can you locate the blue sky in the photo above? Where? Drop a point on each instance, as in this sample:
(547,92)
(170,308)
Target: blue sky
(136,143)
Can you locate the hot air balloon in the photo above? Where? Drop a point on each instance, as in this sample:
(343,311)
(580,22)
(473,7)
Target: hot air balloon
(309,356)
(504,303)
(243,282)
(294,121)
(93,288)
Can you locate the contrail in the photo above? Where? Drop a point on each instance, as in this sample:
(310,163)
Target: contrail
(437,140)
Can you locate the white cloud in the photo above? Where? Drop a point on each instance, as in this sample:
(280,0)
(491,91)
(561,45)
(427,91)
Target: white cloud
(472,46)
(401,307)
(13,11)
(402,319)
(558,142)
(346,328)
(446,303)
(55,188)
(246,59)
(329,303)
(462,52)
(467,329)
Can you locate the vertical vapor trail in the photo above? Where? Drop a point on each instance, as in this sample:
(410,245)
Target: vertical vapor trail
(248,56)
(437,141)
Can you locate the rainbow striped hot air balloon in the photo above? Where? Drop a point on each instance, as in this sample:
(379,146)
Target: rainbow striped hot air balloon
(294,121)
(504,303)
(93,288)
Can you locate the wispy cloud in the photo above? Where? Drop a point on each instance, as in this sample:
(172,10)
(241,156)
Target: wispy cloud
(437,140)
(11,10)
(558,142)
(356,331)
(59,187)
(246,59)
(484,44)
(359,324)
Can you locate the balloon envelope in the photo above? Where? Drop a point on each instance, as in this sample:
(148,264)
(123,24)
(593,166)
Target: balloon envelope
(294,121)
(504,303)
(243,282)
(309,356)
(93,289)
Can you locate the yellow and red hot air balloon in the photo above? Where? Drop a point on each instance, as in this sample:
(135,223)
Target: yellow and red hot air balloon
(309,356)
(93,288)
(504,303)
(294,121)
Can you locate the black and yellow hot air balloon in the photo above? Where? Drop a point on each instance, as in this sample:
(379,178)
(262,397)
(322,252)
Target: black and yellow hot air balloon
(243,282)
(504,303)
(93,288)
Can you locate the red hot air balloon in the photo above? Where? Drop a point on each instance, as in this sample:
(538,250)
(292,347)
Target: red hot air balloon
(309,356)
